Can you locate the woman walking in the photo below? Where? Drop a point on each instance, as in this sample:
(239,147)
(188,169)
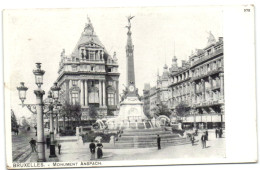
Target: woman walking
(99,150)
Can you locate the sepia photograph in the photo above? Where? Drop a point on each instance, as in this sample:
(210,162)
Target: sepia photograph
(104,86)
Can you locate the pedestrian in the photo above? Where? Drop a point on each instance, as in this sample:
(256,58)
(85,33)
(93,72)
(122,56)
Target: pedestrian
(59,147)
(17,131)
(203,140)
(216,132)
(33,145)
(196,131)
(207,135)
(220,133)
(92,148)
(159,142)
(48,141)
(99,150)
(192,138)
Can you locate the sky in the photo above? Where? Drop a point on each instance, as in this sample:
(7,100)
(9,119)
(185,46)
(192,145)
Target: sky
(32,36)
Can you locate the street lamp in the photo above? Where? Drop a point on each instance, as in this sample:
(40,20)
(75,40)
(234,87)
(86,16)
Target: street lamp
(38,75)
(57,116)
(52,145)
(55,91)
(53,95)
(36,109)
(22,92)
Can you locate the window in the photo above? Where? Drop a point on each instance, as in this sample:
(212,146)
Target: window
(110,83)
(74,82)
(92,68)
(91,56)
(74,68)
(209,51)
(74,98)
(109,70)
(111,99)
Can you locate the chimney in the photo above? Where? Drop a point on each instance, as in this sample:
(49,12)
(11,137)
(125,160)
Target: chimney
(183,63)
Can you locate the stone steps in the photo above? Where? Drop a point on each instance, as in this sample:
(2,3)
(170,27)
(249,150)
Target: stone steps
(146,138)
(145,133)
(142,140)
(152,144)
(143,130)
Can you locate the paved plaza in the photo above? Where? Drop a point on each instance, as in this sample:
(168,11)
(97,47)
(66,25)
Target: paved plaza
(73,150)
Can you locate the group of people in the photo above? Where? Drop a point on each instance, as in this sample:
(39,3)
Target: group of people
(93,146)
(219,132)
(33,145)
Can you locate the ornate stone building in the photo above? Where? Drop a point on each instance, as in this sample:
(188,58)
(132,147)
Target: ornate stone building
(200,84)
(159,93)
(89,76)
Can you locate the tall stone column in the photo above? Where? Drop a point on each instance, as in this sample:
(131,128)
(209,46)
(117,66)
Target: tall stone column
(211,86)
(40,130)
(194,91)
(70,83)
(100,92)
(57,124)
(104,93)
(81,93)
(221,75)
(203,89)
(117,92)
(86,92)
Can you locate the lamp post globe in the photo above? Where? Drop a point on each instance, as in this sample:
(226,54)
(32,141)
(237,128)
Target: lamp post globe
(50,99)
(22,92)
(55,91)
(38,75)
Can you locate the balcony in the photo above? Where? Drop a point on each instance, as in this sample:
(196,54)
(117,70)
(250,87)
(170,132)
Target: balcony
(208,73)
(205,58)
(179,82)
(209,103)
(89,61)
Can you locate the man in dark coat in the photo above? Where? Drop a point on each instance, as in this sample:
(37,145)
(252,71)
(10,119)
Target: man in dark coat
(59,147)
(33,145)
(207,135)
(203,141)
(220,132)
(159,142)
(216,132)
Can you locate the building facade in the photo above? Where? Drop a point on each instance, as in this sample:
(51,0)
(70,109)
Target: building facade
(199,85)
(152,96)
(89,76)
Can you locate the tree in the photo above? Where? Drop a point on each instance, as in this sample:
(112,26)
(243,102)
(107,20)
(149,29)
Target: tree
(182,109)
(76,112)
(161,109)
(93,112)
(14,123)
(25,123)
(71,112)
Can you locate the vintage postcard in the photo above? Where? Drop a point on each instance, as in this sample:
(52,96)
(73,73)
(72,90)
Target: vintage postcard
(129,86)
